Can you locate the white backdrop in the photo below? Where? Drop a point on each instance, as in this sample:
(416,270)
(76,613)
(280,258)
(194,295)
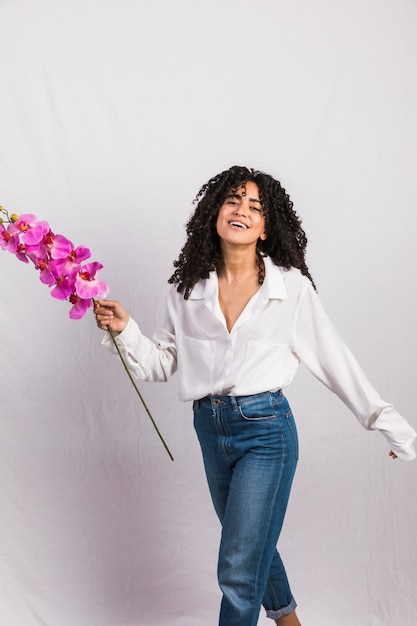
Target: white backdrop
(113,113)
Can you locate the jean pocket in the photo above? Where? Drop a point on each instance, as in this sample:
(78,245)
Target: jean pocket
(258,411)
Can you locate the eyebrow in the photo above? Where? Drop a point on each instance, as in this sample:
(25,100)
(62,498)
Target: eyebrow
(239,197)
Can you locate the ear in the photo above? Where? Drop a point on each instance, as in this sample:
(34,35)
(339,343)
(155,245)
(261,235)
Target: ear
(263,236)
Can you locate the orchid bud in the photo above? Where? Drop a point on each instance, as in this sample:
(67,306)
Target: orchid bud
(14,217)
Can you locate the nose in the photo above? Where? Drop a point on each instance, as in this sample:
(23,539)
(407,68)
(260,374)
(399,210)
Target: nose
(240,209)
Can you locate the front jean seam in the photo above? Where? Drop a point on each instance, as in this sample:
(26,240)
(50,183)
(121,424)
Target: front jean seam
(289,418)
(271,507)
(272,589)
(223,432)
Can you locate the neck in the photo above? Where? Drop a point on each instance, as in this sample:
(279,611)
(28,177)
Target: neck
(238,263)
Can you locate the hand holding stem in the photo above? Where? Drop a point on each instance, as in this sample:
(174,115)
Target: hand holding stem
(111,316)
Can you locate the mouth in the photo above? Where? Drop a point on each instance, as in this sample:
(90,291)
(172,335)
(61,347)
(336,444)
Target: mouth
(239,225)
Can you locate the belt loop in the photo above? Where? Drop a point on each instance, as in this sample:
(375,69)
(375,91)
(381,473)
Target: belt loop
(234,402)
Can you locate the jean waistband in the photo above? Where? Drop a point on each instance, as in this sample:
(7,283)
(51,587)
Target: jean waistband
(234,401)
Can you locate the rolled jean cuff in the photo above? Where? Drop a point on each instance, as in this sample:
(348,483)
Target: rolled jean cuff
(281,612)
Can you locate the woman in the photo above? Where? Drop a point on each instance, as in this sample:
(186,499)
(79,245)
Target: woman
(242,314)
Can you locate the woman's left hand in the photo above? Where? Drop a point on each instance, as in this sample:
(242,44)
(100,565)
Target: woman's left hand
(393,455)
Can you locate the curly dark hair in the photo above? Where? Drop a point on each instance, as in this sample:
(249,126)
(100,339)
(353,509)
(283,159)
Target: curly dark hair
(285,243)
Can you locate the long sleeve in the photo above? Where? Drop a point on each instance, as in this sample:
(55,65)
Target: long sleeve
(153,361)
(318,344)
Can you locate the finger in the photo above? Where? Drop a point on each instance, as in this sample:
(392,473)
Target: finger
(103,321)
(102,314)
(102,326)
(104,306)
(108,304)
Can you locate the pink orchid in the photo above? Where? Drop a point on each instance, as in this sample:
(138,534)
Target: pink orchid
(86,284)
(46,273)
(8,241)
(79,306)
(59,265)
(64,287)
(67,258)
(60,247)
(56,258)
(21,253)
(41,250)
(30,229)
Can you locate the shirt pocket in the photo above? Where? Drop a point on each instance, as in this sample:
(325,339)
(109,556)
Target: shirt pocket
(269,361)
(196,359)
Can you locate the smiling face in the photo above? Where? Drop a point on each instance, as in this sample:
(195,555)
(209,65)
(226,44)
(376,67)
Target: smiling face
(240,220)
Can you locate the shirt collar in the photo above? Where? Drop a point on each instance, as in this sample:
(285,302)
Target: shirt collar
(273,287)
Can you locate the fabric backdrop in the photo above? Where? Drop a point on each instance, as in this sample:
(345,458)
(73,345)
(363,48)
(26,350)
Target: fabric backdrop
(113,114)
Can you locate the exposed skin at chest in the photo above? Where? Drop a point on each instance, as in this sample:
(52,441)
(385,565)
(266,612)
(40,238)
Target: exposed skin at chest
(234,296)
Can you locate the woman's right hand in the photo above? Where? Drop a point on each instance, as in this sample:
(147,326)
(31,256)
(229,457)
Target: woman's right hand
(110,313)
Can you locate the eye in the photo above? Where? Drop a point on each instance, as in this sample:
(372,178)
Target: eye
(258,209)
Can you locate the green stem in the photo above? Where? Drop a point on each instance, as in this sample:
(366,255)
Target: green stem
(138,392)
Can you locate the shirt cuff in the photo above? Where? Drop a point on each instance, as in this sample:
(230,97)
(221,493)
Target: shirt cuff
(127,335)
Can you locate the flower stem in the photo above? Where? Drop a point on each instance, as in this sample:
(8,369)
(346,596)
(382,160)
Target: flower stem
(138,392)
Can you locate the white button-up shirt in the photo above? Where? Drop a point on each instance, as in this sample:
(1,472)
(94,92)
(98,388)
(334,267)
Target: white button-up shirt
(282,325)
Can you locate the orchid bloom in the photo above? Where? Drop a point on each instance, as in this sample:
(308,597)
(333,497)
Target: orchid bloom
(67,259)
(79,306)
(8,241)
(58,261)
(86,284)
(46,273)
(41,250)
(21,253)
(64,287)
(30,229)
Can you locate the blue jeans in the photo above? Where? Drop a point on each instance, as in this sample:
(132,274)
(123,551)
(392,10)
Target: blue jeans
(250,451)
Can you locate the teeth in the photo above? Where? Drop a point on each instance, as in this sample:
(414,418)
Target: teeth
(239,224)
